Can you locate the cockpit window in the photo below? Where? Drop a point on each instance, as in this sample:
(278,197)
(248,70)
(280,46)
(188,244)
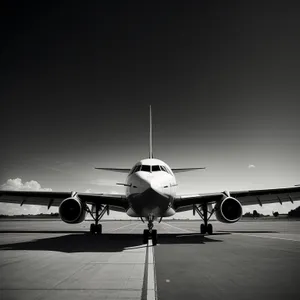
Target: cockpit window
(155,168)
(168,170)
(163,169)
(132,170)
(135,169)
(145,168)
(148,168)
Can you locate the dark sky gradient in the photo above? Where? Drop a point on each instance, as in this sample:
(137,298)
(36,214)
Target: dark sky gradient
(77,77)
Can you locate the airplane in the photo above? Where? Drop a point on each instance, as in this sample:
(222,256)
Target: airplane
(151,195)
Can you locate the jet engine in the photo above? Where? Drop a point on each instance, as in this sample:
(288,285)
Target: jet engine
(71,210)
(228,210)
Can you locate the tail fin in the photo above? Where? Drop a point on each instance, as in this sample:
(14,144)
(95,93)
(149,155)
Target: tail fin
(150,135)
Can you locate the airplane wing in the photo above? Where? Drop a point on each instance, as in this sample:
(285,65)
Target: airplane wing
(49,199)
(125,170)
(179,170)
(119,170)
(246,197)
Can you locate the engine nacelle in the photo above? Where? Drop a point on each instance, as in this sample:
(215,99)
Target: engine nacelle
(228,210)
(71,210)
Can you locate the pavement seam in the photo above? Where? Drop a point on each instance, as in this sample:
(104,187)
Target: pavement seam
(268,237)
(114,263)
(66,278)
(73,289)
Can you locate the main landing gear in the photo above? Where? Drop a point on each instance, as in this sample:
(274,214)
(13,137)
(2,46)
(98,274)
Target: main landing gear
(97,215)
(150,232)
(202,211)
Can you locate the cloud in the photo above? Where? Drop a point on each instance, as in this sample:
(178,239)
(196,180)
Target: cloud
(17,185)
(251,167)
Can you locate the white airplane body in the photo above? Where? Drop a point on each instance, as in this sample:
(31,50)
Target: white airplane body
(150,195)
(151,189)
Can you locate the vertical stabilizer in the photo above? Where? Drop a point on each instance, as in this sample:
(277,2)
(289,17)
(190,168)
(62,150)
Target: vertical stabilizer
(150,135)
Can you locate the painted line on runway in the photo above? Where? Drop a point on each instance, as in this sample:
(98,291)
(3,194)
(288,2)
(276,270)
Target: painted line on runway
(112,230)
(149,290)
(134,248)
(185,230)
(268,237)
(137,225)
(151,284)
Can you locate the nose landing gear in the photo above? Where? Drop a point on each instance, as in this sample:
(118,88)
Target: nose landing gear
(150,232)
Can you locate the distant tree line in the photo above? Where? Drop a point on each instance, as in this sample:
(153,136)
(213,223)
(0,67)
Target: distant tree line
(254,214)
(294,213)
(30,215)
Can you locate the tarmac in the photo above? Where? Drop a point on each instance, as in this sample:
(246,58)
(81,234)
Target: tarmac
(45,260)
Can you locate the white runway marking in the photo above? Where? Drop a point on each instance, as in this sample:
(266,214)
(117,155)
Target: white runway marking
(269,237)
(185,230)
(151,284)
(137,225)
(112,230)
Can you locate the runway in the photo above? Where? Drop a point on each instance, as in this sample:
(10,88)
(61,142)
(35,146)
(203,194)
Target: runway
(53,260)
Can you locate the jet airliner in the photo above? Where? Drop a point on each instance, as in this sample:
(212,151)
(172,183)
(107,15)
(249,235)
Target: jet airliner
(151,195)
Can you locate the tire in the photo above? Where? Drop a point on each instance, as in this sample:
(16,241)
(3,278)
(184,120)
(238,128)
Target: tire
(92,229)
(209,229)
(202,229)
(154,237)
(145,236)
(99,229)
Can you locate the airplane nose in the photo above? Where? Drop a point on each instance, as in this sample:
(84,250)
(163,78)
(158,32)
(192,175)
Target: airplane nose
(155,186)
(146,181)
(143,181)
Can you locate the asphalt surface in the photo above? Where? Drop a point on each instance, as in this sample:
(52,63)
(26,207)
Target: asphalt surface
(252,261)
(54,260)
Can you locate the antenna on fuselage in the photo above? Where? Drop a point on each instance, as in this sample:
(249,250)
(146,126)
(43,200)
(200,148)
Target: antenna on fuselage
(150,135)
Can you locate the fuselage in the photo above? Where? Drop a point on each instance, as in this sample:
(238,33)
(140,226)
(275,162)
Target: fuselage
(151,188)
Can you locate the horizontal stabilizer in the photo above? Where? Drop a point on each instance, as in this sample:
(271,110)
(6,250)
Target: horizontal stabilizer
(119,170)
(186,169)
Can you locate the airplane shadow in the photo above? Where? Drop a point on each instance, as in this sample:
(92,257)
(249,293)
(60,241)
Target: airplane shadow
(186,238)
(43,231)
(73,243)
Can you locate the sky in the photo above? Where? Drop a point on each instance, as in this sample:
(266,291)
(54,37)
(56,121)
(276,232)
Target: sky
(77,79)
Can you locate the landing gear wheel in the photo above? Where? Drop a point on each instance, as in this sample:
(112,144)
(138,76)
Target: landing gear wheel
(92,228)
(209,229)
(202,229)
(154,237)
(145,236)
(99,228)
(96,228)
(97,212)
